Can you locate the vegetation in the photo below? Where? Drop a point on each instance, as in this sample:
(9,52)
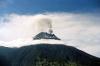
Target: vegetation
(47,62)
(46,55)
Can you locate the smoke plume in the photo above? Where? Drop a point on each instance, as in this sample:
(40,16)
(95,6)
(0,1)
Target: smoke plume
(44,24)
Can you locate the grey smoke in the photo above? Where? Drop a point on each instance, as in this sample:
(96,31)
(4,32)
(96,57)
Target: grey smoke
(44,24)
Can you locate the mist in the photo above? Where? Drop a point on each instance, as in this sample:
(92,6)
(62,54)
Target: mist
(79,30)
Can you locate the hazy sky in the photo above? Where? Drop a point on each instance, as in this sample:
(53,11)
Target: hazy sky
(76,22)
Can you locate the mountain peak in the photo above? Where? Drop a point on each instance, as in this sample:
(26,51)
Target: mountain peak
(45,35)
(45,30)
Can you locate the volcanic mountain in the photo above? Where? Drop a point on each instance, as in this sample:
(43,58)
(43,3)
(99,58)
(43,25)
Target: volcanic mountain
(48,51)
(45,54)
(45,35)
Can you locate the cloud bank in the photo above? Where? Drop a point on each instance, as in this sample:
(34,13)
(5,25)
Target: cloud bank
(79,30)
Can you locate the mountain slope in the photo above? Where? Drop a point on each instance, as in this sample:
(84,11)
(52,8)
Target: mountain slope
(6,55)
(53,55)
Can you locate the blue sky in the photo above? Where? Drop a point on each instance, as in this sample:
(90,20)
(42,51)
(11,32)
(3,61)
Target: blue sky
(38,6)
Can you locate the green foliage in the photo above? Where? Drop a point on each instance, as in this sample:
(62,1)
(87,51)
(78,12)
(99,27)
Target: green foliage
(52,55)
(47,62)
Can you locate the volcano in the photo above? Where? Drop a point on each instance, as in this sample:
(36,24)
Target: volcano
(46,54)
(45,35)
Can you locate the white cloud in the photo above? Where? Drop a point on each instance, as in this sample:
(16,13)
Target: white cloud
(81,31)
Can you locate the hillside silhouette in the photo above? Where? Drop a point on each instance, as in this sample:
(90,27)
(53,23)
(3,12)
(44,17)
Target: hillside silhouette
(46,55)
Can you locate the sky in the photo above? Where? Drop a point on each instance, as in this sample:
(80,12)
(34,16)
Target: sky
(39,6)
(76,22)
